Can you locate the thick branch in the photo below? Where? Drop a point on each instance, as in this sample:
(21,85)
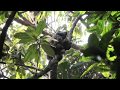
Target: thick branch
(4,31)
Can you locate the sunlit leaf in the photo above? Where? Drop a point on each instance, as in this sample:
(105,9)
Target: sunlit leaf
(106,74)
(17,76)
(82,12)
(110,54)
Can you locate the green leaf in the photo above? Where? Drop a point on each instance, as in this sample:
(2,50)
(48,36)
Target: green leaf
(24,37)
(17,75)
(93,40)
(47,48)
(31,53)
(110,53)
(82,12)
(94,51)
(93,18)
(106,74)
(88,69)
(106,15)
(102,68)
(41,25)
(106,39)
(75,14)
(100,24)
(113,13)
(116,45)
(76,54)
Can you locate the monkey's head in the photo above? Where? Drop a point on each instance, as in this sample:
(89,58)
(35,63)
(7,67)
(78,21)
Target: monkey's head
(60,36)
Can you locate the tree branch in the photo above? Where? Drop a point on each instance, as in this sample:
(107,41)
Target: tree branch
(71,30)
(23,22)
(30,24)
(47,69)
(4,31)
(23,66)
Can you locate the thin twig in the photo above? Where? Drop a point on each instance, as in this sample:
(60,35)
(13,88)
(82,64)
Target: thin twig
(23,66)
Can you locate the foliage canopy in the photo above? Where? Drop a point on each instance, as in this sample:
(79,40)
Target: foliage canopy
(95,51)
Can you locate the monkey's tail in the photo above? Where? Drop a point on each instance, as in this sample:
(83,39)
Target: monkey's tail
(53,73)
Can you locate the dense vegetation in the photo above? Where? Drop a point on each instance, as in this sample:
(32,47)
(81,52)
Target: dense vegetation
(25,44)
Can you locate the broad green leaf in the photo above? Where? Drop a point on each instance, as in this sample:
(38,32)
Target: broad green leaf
(30,31)
(106,39)
(82,12)
(106,74)
(107,27)
(41,25)
(94,51)
(31,53)
(100,24)
(47,48)
(113,13)
(88,69)
(93,40)
(24,37)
